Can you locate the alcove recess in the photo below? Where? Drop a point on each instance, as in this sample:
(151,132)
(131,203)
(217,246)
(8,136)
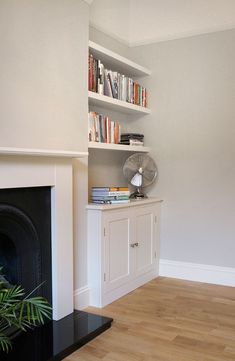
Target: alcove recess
(105,161)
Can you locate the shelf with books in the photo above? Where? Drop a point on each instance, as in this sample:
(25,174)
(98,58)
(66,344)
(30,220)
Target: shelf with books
(113,60)
(116,95)
(116,104)
(119,147)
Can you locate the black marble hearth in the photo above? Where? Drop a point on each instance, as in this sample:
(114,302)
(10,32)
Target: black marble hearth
(57,339)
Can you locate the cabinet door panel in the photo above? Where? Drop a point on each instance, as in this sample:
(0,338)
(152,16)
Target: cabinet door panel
(117,250)
(145,238)
(144,233)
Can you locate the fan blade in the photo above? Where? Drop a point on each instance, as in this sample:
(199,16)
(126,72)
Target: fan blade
(145,161)
(130,174)
(131,166)
(148,177)
(137,180)
(138,160)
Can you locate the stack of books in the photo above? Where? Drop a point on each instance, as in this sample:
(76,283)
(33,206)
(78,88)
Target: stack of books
(102,129)
(132,139)
(113,84)
(110,195)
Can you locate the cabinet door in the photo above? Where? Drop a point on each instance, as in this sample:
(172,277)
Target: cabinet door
(145,238)
(118,253)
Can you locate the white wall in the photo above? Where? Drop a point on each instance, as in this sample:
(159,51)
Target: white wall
(163,20)
(191,131)
(43,73)
(43,93)
(112,15)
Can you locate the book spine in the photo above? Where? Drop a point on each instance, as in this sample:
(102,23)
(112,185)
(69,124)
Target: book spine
(111,82)
(100,78)
(110,193)
(107,84)
(100,128)
(104,198)
(106,191)
(119,85)
(90,65)
(110,189)
(124,89)
(112,132)
(114,84)
(89,128)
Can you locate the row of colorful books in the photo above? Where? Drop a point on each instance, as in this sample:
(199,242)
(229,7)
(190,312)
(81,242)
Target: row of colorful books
(102,129)
(110,195)
(114,84)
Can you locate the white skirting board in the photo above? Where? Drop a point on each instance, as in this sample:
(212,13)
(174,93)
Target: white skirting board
(197,272)
(183,270)
(81,298)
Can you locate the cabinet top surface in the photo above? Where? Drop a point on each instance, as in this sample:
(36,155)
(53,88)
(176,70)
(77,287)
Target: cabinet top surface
(132,203)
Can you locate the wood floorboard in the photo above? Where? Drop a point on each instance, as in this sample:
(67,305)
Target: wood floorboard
(167,320)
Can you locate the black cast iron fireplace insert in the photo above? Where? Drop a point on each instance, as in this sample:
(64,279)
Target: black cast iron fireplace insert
(25,238)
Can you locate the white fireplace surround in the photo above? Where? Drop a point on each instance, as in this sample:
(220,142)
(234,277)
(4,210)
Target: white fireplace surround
(34,168)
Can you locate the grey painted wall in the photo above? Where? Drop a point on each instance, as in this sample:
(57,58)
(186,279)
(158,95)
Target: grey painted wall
(191,132)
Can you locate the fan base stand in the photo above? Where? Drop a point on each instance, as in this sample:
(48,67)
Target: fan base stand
(138,195)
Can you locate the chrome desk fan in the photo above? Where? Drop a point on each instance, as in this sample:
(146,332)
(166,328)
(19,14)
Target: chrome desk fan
(140,170)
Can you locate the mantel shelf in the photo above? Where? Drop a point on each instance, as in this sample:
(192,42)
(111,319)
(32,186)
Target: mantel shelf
(116,104)
(6,151)
(117,62)
(118,147)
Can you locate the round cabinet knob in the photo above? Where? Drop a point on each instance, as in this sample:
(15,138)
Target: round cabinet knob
(137,244)
(132,245)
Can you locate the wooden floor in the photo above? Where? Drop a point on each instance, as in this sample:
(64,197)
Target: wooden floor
(167,320)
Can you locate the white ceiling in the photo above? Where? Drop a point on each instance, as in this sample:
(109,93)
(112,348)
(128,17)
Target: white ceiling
(137,22)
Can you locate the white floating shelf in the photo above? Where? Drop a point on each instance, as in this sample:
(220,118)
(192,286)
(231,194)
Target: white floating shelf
(117,62)
(119,147)
(116,104)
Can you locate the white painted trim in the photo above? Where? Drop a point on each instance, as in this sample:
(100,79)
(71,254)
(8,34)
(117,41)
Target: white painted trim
(18,172)
(81,298)
(42,152)
(182,35)
(187,34)
(197,272)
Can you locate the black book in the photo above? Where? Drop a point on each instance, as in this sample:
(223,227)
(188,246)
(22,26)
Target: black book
(126,136)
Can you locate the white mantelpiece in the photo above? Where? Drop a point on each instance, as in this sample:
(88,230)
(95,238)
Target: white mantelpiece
(23,169)
(41,152)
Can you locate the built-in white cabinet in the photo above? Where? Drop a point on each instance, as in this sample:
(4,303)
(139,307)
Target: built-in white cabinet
(123,248)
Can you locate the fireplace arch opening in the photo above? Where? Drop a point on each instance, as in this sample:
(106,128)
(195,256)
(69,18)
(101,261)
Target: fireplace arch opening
(19,248)
(8,259)
(25,238)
